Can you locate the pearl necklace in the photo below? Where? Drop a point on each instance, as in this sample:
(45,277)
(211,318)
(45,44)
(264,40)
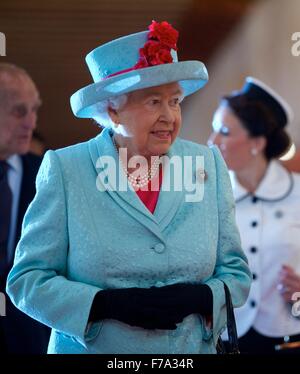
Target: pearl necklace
(141,180)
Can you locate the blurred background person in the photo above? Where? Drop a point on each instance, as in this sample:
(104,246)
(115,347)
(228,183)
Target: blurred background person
(293,164)
(249,128)
(19,103)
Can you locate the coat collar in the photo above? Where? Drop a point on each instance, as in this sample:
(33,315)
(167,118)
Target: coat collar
(275,185)
(15,163)
(168,201)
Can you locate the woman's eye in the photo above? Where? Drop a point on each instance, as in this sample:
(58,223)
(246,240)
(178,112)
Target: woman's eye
(224,131)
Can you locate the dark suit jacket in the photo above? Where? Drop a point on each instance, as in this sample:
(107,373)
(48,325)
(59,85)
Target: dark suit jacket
(18,332)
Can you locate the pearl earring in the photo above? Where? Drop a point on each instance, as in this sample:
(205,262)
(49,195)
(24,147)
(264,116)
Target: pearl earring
(254,151)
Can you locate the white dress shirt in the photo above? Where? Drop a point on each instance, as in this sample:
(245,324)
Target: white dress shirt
(15,173)
(269,224)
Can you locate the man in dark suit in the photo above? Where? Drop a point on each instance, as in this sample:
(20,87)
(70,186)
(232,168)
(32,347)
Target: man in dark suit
(19,103)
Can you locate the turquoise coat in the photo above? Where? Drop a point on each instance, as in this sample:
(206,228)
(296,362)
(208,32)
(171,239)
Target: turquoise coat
(77,240)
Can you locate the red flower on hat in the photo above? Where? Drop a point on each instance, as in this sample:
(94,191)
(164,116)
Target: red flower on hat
(157,50)
(162,37)
(154,53)
(165,33)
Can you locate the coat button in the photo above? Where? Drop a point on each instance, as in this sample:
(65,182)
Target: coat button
(253,303)
(253,249)
(159,248)
(278,214)
(254,199)
(254,276)
(254,223)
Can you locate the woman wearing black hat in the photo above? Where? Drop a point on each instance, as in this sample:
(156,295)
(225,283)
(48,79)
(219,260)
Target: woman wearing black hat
(249,128)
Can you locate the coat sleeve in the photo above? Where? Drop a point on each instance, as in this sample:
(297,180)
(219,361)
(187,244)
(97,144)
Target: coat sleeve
(231,263)
(37,283)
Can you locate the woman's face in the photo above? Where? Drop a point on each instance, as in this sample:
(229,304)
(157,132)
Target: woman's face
(150,120)
(233,140)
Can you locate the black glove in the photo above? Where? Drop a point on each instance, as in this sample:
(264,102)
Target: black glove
(184,299)
(134,306)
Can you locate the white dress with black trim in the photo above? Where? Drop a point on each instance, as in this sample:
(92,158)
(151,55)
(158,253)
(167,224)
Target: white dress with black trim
(269,224)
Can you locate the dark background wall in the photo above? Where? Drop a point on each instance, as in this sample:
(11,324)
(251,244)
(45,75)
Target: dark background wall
(51,38)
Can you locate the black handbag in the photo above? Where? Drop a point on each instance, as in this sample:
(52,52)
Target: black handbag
(230,347)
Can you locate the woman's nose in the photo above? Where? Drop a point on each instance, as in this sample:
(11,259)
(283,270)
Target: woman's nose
(213,139)
(167,113)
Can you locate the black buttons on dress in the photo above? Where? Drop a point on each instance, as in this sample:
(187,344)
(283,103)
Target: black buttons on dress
(254,223)
(254,276)
(253,303)
(253,249)
(278,214)
(254,199)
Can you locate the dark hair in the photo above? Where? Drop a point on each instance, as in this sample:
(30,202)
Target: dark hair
(259,120)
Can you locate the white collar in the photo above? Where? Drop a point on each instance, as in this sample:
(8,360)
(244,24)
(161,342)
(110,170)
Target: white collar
(15,162)
(276,183)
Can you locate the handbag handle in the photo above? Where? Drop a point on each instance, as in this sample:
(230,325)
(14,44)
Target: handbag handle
(232,345)
(231,324)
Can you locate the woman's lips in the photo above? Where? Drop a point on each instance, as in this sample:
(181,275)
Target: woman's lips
(165,135)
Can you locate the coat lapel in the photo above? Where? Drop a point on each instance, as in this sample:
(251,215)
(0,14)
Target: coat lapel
(169,200)
(102,147)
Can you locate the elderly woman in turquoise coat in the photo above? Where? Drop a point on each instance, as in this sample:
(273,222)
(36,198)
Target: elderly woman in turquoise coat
(131,236)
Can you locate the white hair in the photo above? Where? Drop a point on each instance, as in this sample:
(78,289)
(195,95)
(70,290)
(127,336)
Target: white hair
(9,72)
(103,118)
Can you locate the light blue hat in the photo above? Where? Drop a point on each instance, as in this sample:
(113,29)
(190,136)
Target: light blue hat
(115,68)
